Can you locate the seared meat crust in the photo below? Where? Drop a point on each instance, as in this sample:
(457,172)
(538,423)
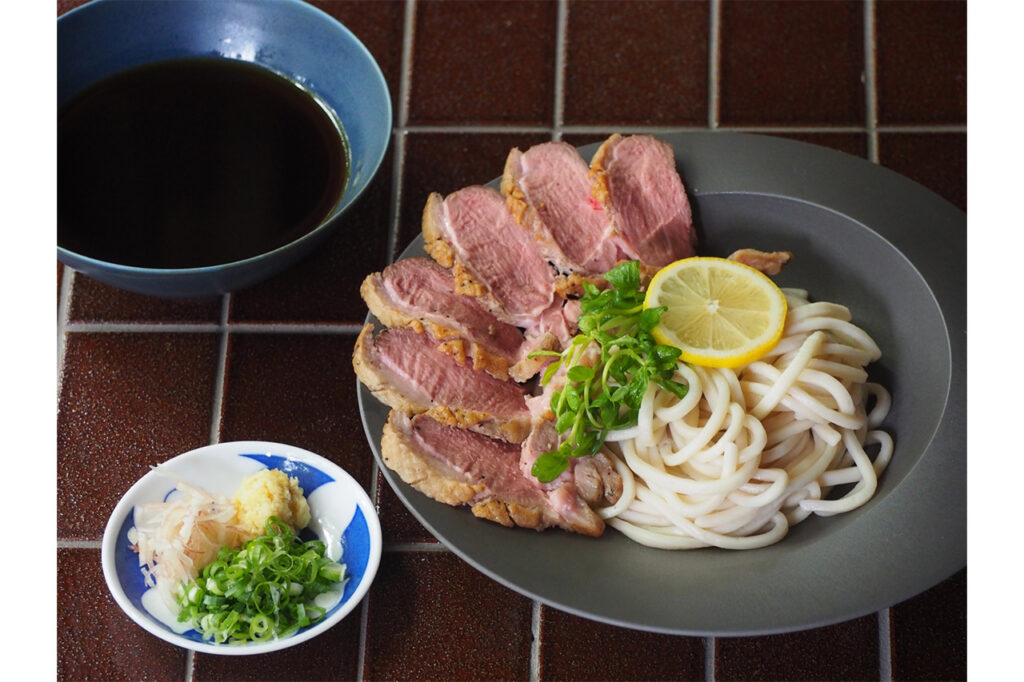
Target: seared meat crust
(768,262)
(451,342)
(410,398)
(483,474)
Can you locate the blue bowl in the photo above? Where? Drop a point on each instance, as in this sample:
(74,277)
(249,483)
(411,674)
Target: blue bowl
(289,37)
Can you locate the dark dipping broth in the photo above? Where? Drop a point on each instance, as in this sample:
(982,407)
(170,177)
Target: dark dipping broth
(194,162)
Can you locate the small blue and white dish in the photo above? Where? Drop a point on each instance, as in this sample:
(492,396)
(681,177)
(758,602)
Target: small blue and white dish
(341,515)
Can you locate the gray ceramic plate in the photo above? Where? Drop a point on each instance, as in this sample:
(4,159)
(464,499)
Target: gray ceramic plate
(895,254)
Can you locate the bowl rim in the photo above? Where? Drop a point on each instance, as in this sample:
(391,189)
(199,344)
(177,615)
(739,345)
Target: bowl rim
(68,256)
(125,505)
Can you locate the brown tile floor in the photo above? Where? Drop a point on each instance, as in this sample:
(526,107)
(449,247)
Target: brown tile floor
(651,70)
(847,651)
(137,413)
(503,51)
(143,379)
(432,616)
(792,63)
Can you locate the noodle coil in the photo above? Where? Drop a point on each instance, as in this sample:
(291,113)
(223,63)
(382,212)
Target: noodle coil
(749,452)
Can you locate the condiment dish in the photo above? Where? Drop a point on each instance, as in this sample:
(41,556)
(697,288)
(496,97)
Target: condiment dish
(341,515)
(290,38)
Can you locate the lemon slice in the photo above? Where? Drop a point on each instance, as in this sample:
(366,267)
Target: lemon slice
(720,313)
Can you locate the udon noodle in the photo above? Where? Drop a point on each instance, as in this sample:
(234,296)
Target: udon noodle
(748,453)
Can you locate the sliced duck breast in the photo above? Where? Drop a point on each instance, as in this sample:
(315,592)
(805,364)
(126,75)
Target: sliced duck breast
(458,467)
(404,369)
(559,321)
(548,189)
(594,478)
(502,281)
(635,178)
(473,232)
(418,292)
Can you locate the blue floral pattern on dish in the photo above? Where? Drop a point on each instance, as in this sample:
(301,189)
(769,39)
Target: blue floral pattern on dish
(310,478)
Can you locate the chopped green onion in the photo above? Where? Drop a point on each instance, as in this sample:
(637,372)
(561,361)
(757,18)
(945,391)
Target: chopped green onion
(605,394)
(261,591)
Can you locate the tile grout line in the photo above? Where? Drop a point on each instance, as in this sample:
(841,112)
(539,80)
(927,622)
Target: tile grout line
(641,128)
(364,608)
(911,128)
(190,665)
(155,327)
(220,376)
(561,45)
(884,646)
(714,66)
(79,544)
(286,328)
(364,611)
(405,80)
(480,129)
(395,547)
(395,217)
(212,327)
(870,81)
(397,166)
(871,116)
(535,642)
(63,313)
(709,659)
(399,132)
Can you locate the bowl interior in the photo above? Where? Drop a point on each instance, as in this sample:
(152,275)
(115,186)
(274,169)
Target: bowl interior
(289,37)
(342,516)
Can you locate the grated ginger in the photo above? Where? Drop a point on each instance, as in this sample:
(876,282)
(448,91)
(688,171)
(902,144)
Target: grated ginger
(269,492)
